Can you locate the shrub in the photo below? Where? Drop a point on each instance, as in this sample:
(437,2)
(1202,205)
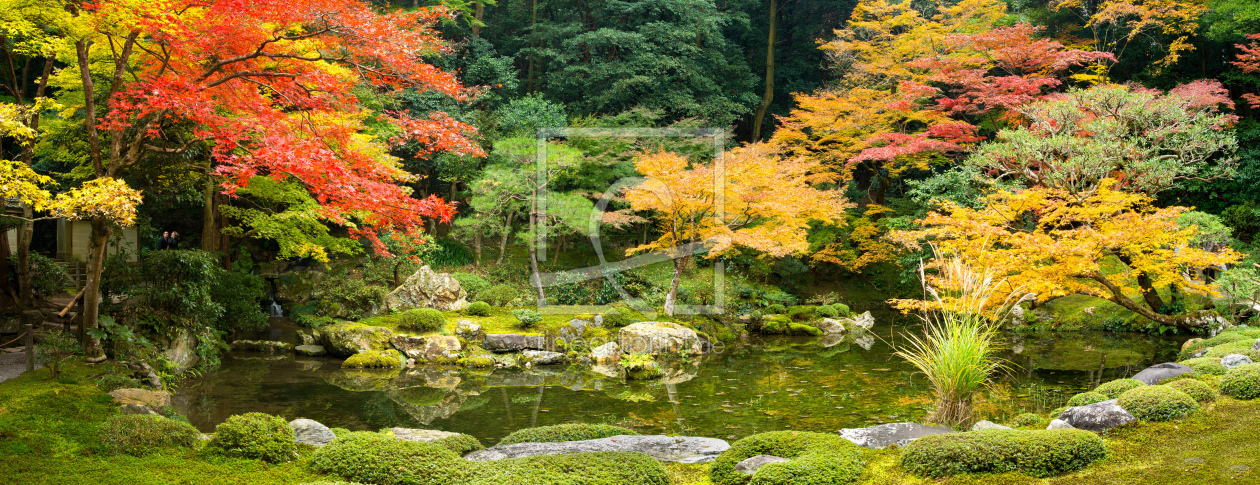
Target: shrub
(479,308)
(616,319)
(564,432)
(1234,334)
(1157,403)
(460,443)
(776,309)
(1242,382)
(498,295)
(1117,387)
(1028,420)
(801,313)
(640,366)
(141,434)
(471,283)
(842,309)
(1237,347)
(600,468)
(422,319)
(381,459)
(1085,398)
(1040,453)
(782,325)
(255,436)
(110,382)
(48,277)
(528,318)
(816,459)
(1196,389)
(827,311)
(241,295)
(375,358)
(1206,365)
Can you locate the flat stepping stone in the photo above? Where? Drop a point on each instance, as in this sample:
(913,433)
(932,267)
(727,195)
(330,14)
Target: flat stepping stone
(679,449)
(877,437)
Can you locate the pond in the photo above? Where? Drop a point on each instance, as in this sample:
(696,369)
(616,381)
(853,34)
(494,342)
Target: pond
(765,384)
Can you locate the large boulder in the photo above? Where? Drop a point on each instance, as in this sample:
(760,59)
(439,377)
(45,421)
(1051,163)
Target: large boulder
(1234,360)
(830,326)
(410,345)
(983,425)
(441,349)
(877,437)
(348,338)
(469,330)
(10,324)
(181,349)
(513,342)
(1157,373)
(658,338)
(607,354)
(679,449)
(864,321)
(310,350)
(153,399)
(426,289)
(311,432)
(1097,417)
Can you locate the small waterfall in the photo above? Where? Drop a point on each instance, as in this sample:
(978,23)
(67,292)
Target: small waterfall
(273,309)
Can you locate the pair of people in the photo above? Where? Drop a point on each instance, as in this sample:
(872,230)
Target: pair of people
(170,240)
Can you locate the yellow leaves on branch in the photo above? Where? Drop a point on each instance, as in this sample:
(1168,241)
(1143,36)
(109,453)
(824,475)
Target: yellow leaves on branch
(1047,242)
(104,197)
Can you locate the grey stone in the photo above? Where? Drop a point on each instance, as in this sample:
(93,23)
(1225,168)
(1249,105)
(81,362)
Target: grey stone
(410,345)
(33,317)
(877,437)
(131,395)
(1059,424)
(11,325)
(1234,360)
(131,408)
(751,465)
(307,338)
(542,357)
(261,346)
(679,449)
(507,361)
(982,425)
(426,289)
(426,435)
(513,342)
(1097,417)
(607,354)
(1156,373)
(1256,346)
(181,349)
(599,322)
(864,321)
(469,330)
(442,349)
(658,338)
(310,350)
(311,432)
(830,326)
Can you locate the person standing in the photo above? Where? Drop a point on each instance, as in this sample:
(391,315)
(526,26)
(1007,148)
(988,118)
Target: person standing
(173,242)
(165,241)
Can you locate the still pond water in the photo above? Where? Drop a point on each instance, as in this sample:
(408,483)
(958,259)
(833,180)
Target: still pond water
(765,384)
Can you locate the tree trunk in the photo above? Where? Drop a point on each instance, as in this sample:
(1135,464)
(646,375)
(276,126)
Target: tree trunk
(533,250)
(768,96)
(503,238)
(477,15)
(1197,321)
(672,296)
(533,24)
(24,234)
(477,248)
(1149,293)
(101,230)
(4,268)
(209,228)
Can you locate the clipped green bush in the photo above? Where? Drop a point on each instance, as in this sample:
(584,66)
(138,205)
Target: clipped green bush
(1157,403)
(1200,391)
(1117,387)
(1242,382)
(141,434)
(110,382)
(385,460)
(527,318)
(1028,420)
(471,283)
(1237,347)
(826,311)
(498,295)
(1234,334)
(255,436)
(783,325)
(1039,453)
(842,309)
(1206,365)
(1085,398)
(776,309)
(375,359)
(801,313)
(564,432)
(460,443)
(422,319)
(478,309)
(816,459)
(600,468)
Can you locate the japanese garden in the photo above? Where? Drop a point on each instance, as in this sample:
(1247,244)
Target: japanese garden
(687,242)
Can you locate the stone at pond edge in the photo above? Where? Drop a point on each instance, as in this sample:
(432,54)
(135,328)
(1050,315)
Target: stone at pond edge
(542,357)
(441,349)
(426,289)
(469,330)
(658,338)
(679,449)
(1157,373)
(1097,417)
(877,437)
(261,346)
(409,345)
(513,342)
(1234,360)
(982,425)
(181,350)
(348,338)
(426,435)
(1059,424)
(607,354)
(130,408)
(830,326)
(155,399)
(751,465)
(1190,342)
(310,350)
(311,432)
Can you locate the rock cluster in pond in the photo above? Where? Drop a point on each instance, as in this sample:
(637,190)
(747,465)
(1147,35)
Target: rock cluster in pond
(426,289)
(877,437)
(751,465)
(310,350)
(658,338)
(1097,417)
(542,357)
(261,346)
(679,449)
(830,326)
(311,432)
(1157,373)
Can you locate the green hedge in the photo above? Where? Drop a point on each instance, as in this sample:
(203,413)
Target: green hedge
(1157,403)
(478,309)
(1206,365)
(1242,382)
(1200,391)
(141,434)
(1235,334)
(255,436)
(1028,420)
(422,320)
(601,468)
(1117,387)
(385,460)
(460,443)
(816,459)
(1039,453)
(498,295)
(564,432)
(1086,398)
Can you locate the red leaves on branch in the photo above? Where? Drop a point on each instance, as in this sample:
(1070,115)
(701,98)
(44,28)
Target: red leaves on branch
(1249,61)
(272,85)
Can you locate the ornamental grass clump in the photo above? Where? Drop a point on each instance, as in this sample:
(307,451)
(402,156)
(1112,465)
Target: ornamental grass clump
(958,351)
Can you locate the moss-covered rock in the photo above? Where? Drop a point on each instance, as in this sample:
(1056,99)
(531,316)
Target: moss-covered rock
(564,432)
(1231,335)
(1242,382)
(1206,365)
(1028,420)
(382,459)
(641,366)
(783,325)
(375,359)
(460,443)
(1157,403)
(599,468)
(347,338)
(141,434)
(1117,387)
(1040,453)
(1085,398)
(1200,391)
(815,459)
(255,436)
